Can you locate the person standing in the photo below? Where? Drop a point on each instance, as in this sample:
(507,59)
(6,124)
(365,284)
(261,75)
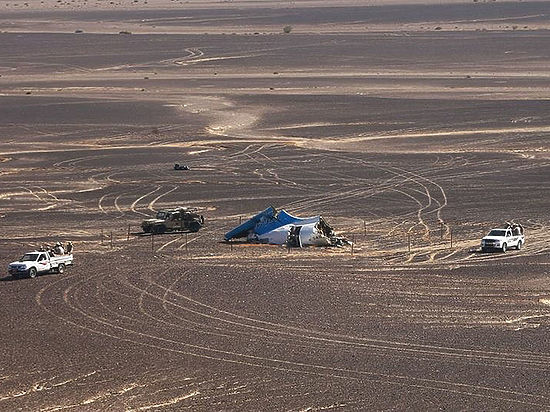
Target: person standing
(58,249)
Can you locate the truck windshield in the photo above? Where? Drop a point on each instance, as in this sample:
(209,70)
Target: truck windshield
(161,215)
(29,257)
(497,233)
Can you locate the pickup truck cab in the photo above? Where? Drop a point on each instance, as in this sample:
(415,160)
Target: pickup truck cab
(35,263)
(503,239)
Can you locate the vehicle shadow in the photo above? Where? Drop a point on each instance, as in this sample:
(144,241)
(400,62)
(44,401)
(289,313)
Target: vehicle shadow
(487,252)
(172,232)
(10,278)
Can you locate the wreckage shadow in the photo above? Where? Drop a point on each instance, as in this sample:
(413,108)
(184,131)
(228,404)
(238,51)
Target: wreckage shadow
(9,278)
(237,242)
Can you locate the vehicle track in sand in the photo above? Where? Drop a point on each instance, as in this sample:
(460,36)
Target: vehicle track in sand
(181,320)
(95,313)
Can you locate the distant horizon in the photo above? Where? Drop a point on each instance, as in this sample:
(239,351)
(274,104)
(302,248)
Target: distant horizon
(12,5)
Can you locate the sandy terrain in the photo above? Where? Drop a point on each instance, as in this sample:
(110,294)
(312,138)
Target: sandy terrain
(367,115)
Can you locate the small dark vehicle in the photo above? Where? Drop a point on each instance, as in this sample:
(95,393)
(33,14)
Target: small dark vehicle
(182,218)
(177,166)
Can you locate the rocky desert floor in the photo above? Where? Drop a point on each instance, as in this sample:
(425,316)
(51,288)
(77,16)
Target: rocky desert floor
(392,121)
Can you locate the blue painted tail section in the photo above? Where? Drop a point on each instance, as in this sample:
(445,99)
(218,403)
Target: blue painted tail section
(243,229)
(282,218)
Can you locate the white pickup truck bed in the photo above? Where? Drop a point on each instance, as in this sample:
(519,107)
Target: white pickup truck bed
(35,263)
(502,239)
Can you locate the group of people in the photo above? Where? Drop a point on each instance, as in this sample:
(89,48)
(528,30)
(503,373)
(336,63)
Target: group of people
(58,249)
(517,229)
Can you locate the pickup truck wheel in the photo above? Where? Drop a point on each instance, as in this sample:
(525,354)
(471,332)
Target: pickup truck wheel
(32,272)
(504,247)
(157,230)
(194,227)
(518,247)
(484,249)
(61,268)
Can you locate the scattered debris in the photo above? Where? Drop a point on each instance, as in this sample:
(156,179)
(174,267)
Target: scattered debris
(281,228)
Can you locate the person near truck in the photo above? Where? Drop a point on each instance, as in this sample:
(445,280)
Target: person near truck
(58,249)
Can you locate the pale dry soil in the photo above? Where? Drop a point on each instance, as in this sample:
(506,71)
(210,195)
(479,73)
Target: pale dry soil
(393,134)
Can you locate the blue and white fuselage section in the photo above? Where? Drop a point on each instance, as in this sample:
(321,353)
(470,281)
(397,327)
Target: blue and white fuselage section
(280,227)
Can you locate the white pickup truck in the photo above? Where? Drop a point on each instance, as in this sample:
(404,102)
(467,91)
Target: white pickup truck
(503,239)
(34,263)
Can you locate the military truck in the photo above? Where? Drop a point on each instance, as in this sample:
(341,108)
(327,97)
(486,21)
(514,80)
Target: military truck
(179,219)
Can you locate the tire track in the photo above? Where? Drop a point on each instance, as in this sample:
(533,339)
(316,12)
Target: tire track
(106,328)
(151,204)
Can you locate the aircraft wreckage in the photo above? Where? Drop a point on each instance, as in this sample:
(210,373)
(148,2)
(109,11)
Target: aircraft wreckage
(281,228)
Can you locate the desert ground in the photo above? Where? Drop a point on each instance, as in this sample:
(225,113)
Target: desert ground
(395,122)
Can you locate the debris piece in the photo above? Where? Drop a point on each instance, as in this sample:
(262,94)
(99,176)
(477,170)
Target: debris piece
(281,228)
